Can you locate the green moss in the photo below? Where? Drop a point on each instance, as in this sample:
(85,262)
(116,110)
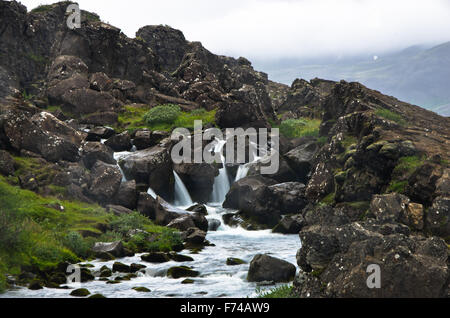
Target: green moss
(397,186)
(163,118)
(407,165)
(284,291)
(390,115)
(329,199)
(42,8)
(295,128)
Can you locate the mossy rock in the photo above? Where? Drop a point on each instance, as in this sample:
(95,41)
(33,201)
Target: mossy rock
(142,289)
(98,296)
(80,292)
(35,285)
(120,267)
(232,261)
(188,281)
(106,273)
(182,271)
(157,257)
(180,258)
(113,282)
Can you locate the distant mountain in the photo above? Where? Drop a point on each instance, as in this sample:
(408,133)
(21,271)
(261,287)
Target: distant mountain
(418,75)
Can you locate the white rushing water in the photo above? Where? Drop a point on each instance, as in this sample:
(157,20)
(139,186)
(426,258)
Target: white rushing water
(182,197)
(117,157)
(221,182)
(216,278)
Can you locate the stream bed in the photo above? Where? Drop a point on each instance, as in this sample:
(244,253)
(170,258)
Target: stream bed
(216,278)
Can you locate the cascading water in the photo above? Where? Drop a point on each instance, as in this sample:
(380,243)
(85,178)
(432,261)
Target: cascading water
(216,279)
(182,197)
(221,182)
(152,193)
(117,157)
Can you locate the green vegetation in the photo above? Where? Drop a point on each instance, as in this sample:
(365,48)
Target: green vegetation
(163,114)
(164,117)
(36,234)
(42,8)
(329,199)
(284,291)
(390,115)
(295,128)
(405,167)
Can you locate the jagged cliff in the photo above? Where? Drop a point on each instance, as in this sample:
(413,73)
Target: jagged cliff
(371,187)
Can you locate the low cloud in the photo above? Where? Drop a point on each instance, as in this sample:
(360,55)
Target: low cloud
(287,28)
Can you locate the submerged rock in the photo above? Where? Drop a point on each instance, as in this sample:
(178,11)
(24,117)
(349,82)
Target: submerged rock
(182,271)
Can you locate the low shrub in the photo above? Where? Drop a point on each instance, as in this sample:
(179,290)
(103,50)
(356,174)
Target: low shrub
(163,114)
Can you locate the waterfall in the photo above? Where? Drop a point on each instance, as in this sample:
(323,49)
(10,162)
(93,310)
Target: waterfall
(152,193)
(221,182)
(182,197)
(242,172)
(117,157)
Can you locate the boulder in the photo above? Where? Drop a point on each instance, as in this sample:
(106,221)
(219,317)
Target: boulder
(251,196)
(96,151)
(98,133)
(105,182)
(213,224)
(120,267)
(199,208)
(181,271)
(87,101)
(100,82)
(290,225)
(182,223)
(115,248)
(120,142)
(127,195)
(156,257)
(42,134)
(232,261)
(80,292)
(438,217)
(194,236)
(301,158)
(151,166)
(267,268)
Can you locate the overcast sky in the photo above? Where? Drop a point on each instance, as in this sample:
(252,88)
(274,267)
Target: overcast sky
(285,28)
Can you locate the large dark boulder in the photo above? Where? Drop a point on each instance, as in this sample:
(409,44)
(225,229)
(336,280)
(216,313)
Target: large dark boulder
(151,166)
(95,151)
(87,101)
(120,142)
(127,195)
(267,268)
(105,182)
(249,195)
(42,134)
(301,158)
